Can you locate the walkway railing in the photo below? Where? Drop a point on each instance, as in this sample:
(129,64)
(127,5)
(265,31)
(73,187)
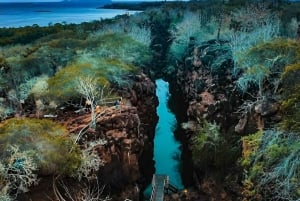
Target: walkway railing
(161,186)
(106,101)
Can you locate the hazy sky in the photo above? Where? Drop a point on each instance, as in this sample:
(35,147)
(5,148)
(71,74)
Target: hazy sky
(2,1)
(28,1)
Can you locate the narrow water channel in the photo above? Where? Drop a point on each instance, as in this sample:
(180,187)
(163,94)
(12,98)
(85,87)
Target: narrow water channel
(167,152)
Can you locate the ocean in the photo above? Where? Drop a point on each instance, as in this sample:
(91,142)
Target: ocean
(44,14)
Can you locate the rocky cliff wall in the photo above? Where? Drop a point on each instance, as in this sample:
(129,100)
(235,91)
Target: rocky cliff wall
(129,131)
(207,81)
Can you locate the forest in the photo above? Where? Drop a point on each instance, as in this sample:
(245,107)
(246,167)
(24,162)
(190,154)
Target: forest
(235,64)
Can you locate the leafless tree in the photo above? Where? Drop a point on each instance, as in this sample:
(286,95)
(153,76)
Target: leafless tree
(19,173)
(86,192)
(92,91)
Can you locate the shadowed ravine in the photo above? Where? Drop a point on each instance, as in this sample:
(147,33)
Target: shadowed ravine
(166,148)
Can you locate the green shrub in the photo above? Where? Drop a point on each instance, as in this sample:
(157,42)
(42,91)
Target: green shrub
(91,162)
(40,88)
(265,62)
(62,85)
(195,25)
(251,25)
(272,165)
(105,71)
(4,196)
(23,167)
(206,145)
(251,144)
(290,99)
(253,75)
(66,43)
(44,140)
(212,149)
(121,47)
(30,34)
(249,191)
(276,152)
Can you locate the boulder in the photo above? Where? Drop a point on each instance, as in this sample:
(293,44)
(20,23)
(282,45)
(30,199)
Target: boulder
(239,128)
(266,107)
(190,125)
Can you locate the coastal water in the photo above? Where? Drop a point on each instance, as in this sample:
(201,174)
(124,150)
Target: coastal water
(19,15)
(167,152)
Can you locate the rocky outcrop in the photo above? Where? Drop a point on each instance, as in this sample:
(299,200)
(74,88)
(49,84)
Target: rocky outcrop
(120,129)
(128,131)
(142,96)
(207,82)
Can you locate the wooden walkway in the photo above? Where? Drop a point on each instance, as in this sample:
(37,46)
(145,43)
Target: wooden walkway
(160,187)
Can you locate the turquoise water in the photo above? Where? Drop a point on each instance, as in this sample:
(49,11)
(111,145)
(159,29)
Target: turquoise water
(166,148)
(26,15)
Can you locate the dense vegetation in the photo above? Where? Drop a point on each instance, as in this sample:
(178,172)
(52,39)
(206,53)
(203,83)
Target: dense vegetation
(42,69)
(264,48)
(46,68)
(29,147)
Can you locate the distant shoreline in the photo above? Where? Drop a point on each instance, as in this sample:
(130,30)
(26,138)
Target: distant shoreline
(133,6)
(55,4)
(21,16)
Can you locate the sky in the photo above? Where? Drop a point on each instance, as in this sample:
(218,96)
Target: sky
(5,1)
(12,1)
